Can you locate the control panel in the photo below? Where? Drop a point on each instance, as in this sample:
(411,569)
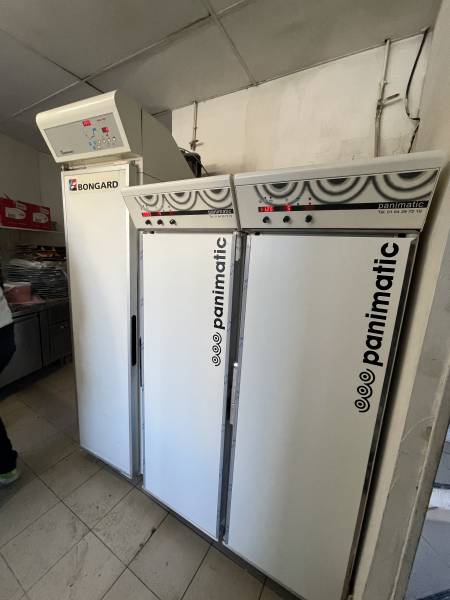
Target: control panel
(89,134)
(380,194)
(203,203)
(106,125)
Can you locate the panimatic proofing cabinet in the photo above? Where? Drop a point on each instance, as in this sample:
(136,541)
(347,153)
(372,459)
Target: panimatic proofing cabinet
(328,261)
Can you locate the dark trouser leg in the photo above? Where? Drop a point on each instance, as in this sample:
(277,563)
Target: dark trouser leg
(8,456)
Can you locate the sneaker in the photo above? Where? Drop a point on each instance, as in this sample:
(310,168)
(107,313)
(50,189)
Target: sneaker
(8,478)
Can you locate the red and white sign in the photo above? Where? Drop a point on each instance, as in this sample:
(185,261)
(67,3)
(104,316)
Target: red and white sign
(14,213)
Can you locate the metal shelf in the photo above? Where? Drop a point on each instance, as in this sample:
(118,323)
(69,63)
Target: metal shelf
(28,229)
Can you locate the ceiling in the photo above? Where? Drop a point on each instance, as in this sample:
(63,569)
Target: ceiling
(167,53)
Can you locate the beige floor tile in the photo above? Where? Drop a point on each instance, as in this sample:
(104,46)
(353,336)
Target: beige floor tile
(169,560)
(27,505)
(71,472)
(42,544)
(129,524)
(27,429)
(73,431)
(49,451)
(9,586)
(9,404)
(56,407)
(219,578)
(269,594)
(17,415)
(60,380)
(97,496)
(84,573)
(128,587)
(26,475)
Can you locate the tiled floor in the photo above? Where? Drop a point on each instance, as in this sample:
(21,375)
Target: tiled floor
(72,529)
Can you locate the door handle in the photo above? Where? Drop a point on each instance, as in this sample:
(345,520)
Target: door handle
(233,406)
(133,340)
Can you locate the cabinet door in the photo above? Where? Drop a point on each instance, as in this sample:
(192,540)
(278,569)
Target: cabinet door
(60,340)
(317,339)
(187,301)
(100,244)
(27,357)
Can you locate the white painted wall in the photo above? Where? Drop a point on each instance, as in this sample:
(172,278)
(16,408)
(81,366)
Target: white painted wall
(412,443)
(30,176)
(19,171)
(50,184)
(319,115)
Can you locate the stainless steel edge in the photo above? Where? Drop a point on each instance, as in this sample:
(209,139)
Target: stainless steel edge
(241,305)
(226,381)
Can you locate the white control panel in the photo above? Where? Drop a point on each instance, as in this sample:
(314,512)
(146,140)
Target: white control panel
(105,125)
(203,203)
(91,134)
(385,193)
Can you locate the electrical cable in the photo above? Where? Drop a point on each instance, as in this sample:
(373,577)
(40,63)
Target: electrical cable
(195,158)
(416,119)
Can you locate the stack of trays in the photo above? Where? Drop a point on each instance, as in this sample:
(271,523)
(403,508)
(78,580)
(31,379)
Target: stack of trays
(48,278)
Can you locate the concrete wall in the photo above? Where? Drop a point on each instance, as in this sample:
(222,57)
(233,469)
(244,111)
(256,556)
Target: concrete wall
(319,115)
(420,411)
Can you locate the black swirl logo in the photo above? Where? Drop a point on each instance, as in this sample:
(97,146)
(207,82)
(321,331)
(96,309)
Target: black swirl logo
(217,349)
(364,389)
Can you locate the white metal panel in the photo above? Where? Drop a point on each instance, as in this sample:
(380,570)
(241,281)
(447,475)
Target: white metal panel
(201,203)
(308,403)
(186,291)
(386,193)
(77,92)
(98,236)
(101,126)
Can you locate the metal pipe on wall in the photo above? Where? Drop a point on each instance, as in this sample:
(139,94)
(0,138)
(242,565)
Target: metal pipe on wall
(381,100)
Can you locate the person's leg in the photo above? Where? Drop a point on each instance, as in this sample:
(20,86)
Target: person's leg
(8,456)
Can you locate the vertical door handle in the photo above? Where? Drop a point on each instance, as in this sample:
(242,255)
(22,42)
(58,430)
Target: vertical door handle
(233,406)
(133,340)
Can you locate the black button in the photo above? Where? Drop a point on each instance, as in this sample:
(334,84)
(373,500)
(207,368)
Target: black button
(286,219)
(172,222)
(160,222)
(148,222)
(308,218)
(266,220)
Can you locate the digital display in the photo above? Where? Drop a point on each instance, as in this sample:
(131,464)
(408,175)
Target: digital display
(282,208)
(87,123)
(216,212)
